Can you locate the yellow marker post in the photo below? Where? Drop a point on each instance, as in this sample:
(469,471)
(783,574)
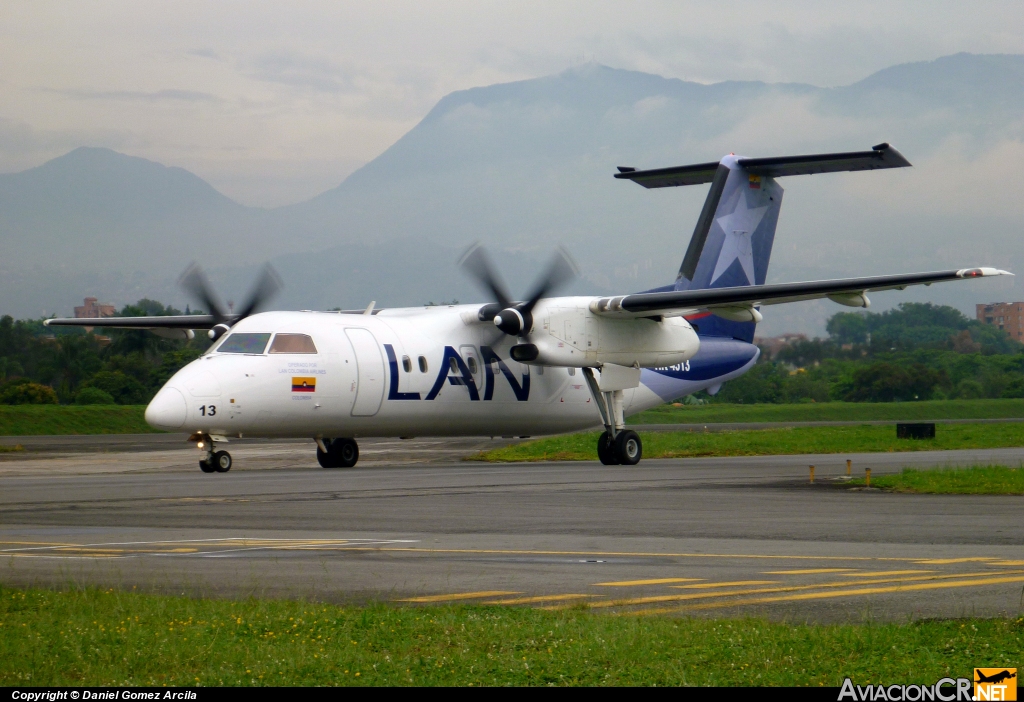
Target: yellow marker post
(849,465)
(867,478)
(812,475)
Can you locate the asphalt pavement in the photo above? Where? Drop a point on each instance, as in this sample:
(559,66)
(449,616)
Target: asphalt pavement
(415,523)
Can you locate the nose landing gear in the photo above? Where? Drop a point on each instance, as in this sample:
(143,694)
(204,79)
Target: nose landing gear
(337,453)
(212,461)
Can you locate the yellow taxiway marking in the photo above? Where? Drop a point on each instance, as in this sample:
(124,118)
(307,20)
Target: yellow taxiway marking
(1006,563)
(654,599)
(538,598)
(643,554)
(807,571)
(878,573)
(735,583)
(459,596)
(947,561)
(655,581)
(852,592)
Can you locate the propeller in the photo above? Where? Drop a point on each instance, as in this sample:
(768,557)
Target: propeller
(195,282)
(515,318)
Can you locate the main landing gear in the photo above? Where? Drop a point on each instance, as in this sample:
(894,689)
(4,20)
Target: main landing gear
(623,448)
(617,445)
(337,453)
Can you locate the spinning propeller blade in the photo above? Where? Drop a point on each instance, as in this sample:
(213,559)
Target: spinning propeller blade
(195,282)
(515,318)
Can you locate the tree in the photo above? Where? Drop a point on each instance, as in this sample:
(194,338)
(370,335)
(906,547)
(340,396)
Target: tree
(29,394)
(888,382)
(93,396)
(123,388)
(848,328)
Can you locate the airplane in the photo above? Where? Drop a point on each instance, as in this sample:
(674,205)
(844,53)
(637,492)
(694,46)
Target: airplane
(544,365)
(995,678)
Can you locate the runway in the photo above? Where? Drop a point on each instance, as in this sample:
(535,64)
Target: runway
(413,524)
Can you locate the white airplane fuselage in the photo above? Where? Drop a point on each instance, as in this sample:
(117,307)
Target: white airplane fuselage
(423,371)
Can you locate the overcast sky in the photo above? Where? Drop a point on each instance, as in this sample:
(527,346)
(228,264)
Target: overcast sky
(274,102)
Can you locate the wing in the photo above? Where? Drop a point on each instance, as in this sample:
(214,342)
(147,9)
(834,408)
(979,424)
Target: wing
(739,303)
(182,321)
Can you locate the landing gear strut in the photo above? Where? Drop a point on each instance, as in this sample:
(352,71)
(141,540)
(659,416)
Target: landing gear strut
(337,453)
(617,445)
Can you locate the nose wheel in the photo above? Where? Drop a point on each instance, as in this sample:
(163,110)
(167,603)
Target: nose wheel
(217,462)
(340,453)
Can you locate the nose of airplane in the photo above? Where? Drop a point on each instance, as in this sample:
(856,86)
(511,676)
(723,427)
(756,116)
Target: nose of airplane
(167,410)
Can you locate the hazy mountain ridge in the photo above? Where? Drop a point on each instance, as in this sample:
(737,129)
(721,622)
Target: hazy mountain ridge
(528,164)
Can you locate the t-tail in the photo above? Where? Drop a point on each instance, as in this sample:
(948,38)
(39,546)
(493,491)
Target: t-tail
(732,243)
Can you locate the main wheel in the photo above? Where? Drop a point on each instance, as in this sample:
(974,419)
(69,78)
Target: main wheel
(207,467)
(628,448)
(222,461)
(606,450)
(345,452)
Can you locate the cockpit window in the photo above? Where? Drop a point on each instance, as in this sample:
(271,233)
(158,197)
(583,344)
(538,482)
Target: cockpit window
(292,343)
(244,343)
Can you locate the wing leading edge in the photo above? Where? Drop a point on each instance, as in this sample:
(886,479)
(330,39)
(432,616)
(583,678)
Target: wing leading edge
(182,321)
(730,301)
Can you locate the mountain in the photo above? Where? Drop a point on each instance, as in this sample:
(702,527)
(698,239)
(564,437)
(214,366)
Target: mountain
(102,210)
(524,165)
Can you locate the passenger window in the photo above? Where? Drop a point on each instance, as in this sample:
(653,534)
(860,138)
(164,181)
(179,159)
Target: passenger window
(423,364)
(472,365)
(406,364)
(292,343)
(453,364)
(244,343)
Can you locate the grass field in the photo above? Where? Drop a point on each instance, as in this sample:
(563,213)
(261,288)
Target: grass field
(28,420)
(25,420)
(832,411)
(976,480)
(92,637)
(787,440)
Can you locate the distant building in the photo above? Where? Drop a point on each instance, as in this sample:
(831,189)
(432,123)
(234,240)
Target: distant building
(91,309)
(1008,316)
(774,344)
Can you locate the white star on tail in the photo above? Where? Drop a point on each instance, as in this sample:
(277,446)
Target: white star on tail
(738,226)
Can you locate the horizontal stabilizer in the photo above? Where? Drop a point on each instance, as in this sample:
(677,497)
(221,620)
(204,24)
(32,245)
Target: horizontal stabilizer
(880,156)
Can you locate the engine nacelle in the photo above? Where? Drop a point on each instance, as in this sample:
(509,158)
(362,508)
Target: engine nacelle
(574,337)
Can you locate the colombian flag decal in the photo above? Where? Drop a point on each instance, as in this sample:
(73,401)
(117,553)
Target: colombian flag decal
(303,384)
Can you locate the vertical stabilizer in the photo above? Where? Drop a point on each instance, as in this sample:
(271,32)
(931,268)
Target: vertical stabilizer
(732,242)
(732,246)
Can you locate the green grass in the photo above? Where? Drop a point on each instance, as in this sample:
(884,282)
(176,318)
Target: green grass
(100,638)
(28,420)
(785,440)
(976,480)
(832,411)
(4,448)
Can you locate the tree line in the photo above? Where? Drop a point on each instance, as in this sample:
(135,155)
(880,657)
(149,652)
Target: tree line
(916,351)
(66,365)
